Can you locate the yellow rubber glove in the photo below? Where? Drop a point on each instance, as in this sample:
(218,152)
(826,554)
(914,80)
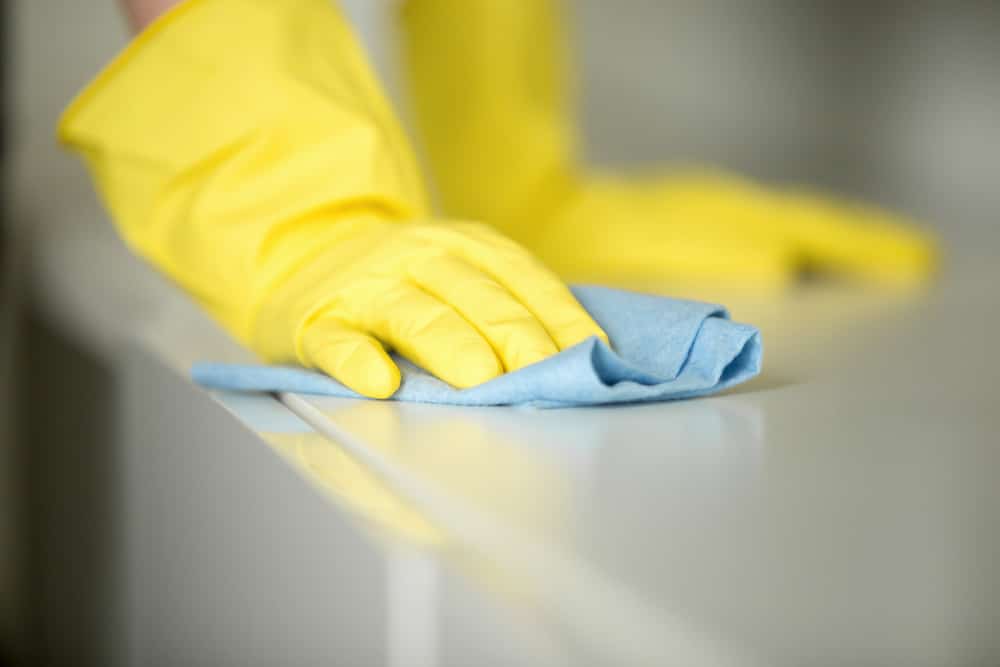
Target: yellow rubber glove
(244,147)
(490,87)
(696,230)
(457,299)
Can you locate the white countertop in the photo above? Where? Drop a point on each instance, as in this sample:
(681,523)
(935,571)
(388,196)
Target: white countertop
(839,509)
(842,504)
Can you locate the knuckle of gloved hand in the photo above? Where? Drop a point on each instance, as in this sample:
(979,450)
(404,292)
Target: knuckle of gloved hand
(433,235)
(367,293)
(424,260)
(466,232)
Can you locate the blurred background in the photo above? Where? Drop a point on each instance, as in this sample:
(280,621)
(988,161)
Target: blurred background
(896,102)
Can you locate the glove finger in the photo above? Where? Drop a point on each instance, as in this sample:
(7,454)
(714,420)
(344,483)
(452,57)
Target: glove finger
(855,240)
(716,206)
(430,333)
(541,292)
(517,337)
(352,357)
(820,233)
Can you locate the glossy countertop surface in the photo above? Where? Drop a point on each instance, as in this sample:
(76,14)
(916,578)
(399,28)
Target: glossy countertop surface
(842,508)
(843,504)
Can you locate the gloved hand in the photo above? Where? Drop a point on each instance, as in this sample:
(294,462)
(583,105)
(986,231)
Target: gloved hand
(244,147)
(514,121)
(711,230)
(457,299)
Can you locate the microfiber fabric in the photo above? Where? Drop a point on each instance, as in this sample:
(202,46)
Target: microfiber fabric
(661,349)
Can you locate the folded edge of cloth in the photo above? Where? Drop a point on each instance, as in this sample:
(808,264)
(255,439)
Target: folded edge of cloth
(661,349)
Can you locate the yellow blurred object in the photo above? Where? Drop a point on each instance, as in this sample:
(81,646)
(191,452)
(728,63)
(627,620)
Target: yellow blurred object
(490,89)
(244,147)
(351,483)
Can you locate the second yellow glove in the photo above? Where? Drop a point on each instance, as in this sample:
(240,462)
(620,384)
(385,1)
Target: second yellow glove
(491,86)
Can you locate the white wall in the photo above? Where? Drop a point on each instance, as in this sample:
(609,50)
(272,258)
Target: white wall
(894,100)
(899,101)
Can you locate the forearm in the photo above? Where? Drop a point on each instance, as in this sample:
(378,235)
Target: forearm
(221,163)
(141,13)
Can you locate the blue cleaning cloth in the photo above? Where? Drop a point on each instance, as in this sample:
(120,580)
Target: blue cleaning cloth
(661,349)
